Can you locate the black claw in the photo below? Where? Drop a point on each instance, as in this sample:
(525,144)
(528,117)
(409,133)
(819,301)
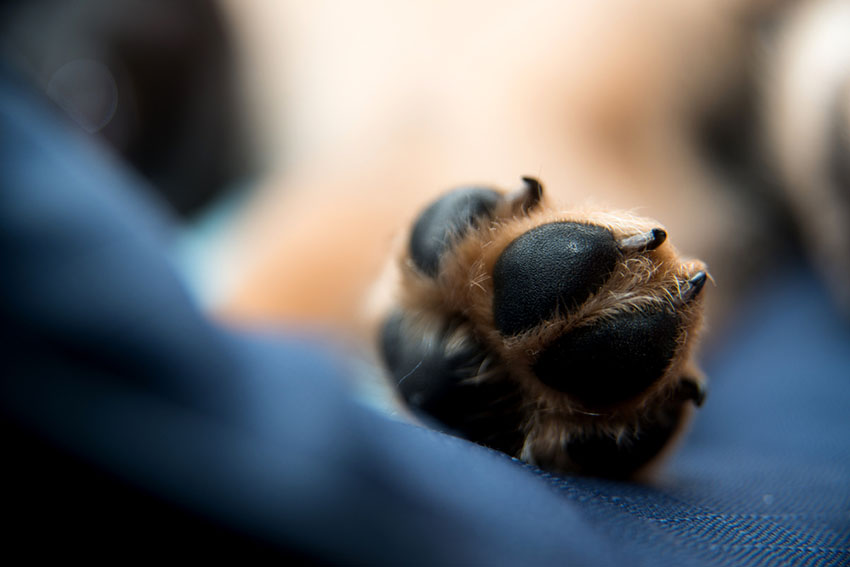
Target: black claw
(528,197)
(534,189)
(659,235)
(691,389)
(696,284)
(645,241)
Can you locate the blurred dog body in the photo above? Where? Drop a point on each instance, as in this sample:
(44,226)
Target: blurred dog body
(369,112)
(806,104)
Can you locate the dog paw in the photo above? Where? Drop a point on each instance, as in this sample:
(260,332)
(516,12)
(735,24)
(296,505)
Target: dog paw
(564,338)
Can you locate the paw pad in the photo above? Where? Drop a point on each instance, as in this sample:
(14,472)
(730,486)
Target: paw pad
(550,267)
(611,360)
(564,338)
(445,221)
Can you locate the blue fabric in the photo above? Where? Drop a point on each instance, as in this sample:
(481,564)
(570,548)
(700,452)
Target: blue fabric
(133,425)
(764,476)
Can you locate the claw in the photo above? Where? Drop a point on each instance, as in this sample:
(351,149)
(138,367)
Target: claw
(527,197)
(690,389)
(646,241)
(696,284)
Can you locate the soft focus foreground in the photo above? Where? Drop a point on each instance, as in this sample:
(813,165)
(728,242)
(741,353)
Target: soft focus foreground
(287,146)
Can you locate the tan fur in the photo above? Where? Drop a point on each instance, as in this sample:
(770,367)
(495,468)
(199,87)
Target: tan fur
(381,107)
(377,109)
(463,289)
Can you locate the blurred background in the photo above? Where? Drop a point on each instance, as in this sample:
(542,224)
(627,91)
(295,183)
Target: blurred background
(156,81)
(291,142)
(286,146)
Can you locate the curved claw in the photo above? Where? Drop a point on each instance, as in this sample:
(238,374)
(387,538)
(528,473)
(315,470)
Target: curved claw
(641,242)
(693,390)
(696,284)
(527,197)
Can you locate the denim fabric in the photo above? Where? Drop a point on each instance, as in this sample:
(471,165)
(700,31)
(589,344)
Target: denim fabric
(134,427)
(763,478)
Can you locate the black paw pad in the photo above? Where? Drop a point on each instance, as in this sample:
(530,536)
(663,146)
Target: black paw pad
(613,359)
(436,380)
(446,220)
(424,370)
(550,267)
(606,456)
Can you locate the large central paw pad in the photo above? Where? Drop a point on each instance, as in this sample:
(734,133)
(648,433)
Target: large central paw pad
(528,279)
(561,337)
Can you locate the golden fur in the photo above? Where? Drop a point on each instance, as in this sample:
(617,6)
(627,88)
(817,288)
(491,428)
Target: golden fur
(382,107)
(463,290)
